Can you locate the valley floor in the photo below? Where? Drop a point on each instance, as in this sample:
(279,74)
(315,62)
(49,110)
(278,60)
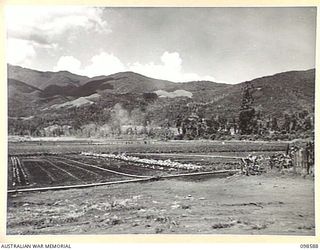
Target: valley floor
(269,204)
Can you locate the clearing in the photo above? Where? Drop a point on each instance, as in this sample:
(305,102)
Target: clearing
(273,203)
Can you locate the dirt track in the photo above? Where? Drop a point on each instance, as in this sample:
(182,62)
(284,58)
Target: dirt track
(268,204)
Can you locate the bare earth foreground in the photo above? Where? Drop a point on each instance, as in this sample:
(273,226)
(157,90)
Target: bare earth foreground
(269,204)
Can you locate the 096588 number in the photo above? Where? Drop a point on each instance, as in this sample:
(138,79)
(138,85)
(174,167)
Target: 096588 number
(308,245)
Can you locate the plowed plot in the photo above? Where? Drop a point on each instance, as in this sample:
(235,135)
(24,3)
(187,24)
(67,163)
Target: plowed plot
(62,170)
(55,171)
(100,171)
(10,174)
(40,174)
(122,166)
(45,173)
(76,169)
(18,176)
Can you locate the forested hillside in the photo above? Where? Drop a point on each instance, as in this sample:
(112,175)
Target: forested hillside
(62,103)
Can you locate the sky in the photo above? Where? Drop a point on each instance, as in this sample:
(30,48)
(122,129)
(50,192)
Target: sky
(229,45)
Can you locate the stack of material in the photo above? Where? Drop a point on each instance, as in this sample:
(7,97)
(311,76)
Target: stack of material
(251,165)
(300,158)
(281,161)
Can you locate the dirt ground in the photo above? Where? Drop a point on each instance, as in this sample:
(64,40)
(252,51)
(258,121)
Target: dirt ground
(269,204)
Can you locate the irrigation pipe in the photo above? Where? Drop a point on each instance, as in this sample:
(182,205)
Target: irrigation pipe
(199,174)
(117,182)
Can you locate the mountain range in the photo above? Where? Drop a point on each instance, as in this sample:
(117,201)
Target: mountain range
(33,93)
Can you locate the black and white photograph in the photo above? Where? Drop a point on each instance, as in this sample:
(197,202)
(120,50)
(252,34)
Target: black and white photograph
(160,120)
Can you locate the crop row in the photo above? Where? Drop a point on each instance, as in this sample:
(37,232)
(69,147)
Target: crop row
(135,168)
(156,147)
(160,164)
(211,162)
(47,171)
(19,175)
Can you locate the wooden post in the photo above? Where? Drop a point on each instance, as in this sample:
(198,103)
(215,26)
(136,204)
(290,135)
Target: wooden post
(294,162)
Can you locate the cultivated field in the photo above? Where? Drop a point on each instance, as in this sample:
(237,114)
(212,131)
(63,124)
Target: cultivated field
(61,170)
(145,146)
(157,200)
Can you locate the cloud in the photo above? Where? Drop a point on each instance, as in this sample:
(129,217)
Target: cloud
(20,52)
(170,69)
(101,64)
(45,25)
(196,77)
(68,63)
(172,60)
(106,64)
(33,27)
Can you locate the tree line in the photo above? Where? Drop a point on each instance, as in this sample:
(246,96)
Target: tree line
(182,121)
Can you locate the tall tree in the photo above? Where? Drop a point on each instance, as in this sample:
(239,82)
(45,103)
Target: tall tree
(274,124)
(247,112)
(286,123)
